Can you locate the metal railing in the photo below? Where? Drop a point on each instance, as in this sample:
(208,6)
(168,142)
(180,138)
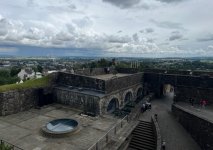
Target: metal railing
(102,142)
(105,139)
(9,146)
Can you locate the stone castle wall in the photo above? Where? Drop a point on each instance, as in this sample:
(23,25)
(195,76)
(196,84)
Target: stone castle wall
(17,101)
(185,93)
(84,102)
(120,96)
(123,82)
(80,81)
(200,128)
(93,71)
(107,86)
(180,72)
(197,87)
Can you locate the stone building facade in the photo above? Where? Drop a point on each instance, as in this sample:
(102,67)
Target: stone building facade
(93,95)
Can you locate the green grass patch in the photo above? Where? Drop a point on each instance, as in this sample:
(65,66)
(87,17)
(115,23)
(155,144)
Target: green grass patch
(34,83)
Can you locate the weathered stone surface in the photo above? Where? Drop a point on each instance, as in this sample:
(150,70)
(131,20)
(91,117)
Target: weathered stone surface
(186,86)
(199,128)
(18,100)
(80,81)
(87,103)
(123,82)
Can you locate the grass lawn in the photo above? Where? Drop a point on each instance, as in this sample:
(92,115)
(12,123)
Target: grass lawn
(34,83)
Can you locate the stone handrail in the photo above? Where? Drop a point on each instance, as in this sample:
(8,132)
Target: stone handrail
(105,139)
(156,132)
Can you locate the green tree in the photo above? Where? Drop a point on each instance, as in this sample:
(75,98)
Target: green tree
(103,63)
(39,68)
(14,71)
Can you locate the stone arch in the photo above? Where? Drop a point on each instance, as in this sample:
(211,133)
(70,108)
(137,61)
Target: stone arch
(167,90)
(139,93)
(128,96)
(112,105)
(125,92)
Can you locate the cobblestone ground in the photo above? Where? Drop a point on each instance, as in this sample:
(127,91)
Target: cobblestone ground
(172,132)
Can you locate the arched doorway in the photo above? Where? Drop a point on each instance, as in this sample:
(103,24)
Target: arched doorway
(128,97)
(168,91)
(113,104)
(139,94)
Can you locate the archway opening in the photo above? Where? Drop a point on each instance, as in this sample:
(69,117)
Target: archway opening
(113,104)
(128,97)
(139,94)
(168,91)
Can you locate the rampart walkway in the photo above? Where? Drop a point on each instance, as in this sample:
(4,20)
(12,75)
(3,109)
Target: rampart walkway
(172,132)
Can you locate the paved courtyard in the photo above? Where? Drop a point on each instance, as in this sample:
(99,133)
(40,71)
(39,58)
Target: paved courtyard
(24,129)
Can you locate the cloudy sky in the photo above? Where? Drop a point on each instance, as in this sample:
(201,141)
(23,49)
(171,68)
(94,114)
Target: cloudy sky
(134,28)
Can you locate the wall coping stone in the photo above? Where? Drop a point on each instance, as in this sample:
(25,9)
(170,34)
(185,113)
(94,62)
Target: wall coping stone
(192,113)
(157,133)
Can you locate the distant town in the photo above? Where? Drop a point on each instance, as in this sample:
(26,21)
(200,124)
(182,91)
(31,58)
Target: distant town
(19,69)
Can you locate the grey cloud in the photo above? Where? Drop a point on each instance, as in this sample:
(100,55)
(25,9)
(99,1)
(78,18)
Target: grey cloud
(3,26)
(207,38)
(119,39)
(210,47)
(68,8)
(167,24)
(34,34)
(3,32)
(150,40)
(144,6)
(31,3)
(176,35)
(84,22)
(170,1)
(119,31)
(141,31)
(62,36)
(135,37)
(123,3)
(149,30)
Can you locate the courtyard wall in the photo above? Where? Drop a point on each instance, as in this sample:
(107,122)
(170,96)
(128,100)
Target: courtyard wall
(186,86)
(201,129)
(17,101)
(89,104)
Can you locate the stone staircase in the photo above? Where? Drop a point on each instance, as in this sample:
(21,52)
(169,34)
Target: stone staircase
(143,137)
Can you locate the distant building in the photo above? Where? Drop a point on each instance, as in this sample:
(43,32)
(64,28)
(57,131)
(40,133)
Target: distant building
(38,75)
(26,74)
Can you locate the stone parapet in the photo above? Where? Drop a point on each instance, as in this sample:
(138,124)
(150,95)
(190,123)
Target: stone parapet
(200,128)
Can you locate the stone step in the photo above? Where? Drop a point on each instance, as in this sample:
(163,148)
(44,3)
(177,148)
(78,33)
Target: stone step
(145,125)
(142,146)
(144,130)
(144,135)
(144,140)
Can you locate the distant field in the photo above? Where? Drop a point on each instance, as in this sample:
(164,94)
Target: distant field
(34,83)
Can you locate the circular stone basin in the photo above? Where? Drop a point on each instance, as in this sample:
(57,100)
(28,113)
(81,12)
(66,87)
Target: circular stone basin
(60,127)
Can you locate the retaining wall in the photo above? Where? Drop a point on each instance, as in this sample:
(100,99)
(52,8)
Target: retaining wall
(201,129)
